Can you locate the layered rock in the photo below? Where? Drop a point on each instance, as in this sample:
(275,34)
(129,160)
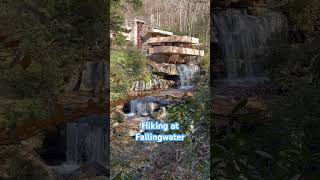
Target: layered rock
(173,39)
(176,50)
(152,84)
(92,76)
(169,69)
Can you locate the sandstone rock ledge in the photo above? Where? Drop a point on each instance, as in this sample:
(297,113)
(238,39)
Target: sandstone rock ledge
(152,84)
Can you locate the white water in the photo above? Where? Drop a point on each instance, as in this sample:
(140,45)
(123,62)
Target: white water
(187,74)
(85,143)
(142,107)
(241,37)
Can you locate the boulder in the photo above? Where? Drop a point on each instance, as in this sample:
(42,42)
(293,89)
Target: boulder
(167,68)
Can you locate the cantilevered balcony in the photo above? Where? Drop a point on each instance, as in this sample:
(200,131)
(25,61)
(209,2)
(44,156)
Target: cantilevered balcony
(173,39)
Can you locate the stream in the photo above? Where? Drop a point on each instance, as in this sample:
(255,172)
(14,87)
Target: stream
(80,144)
(147,106)
(242,43)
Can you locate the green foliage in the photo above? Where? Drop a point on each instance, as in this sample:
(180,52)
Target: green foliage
(52,38)
(304,15)
(293,67)
(26,109)
(193,116)
(137,4)
(285,143)
(127,66)
(123,176)
(36,80)
(280,146)
(116,15)
(282,143)
(117,116)
(119,40)
(193,111)
(205,62)
(189,159)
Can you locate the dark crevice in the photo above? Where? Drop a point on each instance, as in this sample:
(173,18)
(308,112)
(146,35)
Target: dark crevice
(77,87)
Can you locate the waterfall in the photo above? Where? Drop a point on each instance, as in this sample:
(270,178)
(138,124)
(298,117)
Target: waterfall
(187,74)
(85,141)
(241,37)
(142,107)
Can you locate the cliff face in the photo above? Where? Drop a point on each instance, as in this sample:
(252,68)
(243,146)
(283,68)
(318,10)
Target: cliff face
(91,77)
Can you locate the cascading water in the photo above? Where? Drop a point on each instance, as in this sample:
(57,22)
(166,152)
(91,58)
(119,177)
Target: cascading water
(84,144)
(187,74)
(241,37)
(142,107)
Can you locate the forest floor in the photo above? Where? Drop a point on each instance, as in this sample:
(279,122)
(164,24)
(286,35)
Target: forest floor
(241,97)
(146,160)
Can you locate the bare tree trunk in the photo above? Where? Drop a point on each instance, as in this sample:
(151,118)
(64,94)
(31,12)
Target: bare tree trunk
(180,17)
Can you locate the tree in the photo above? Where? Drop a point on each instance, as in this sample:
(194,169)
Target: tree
(42,43)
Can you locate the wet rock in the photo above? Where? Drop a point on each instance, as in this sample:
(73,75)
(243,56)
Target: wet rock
(136,85)
(155,84)
(158,57)
(93,77)
(161,114)
(152,84)
(64,170)
(169,69)
(149,85)
(161,84)
(74,78)
(74,172)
